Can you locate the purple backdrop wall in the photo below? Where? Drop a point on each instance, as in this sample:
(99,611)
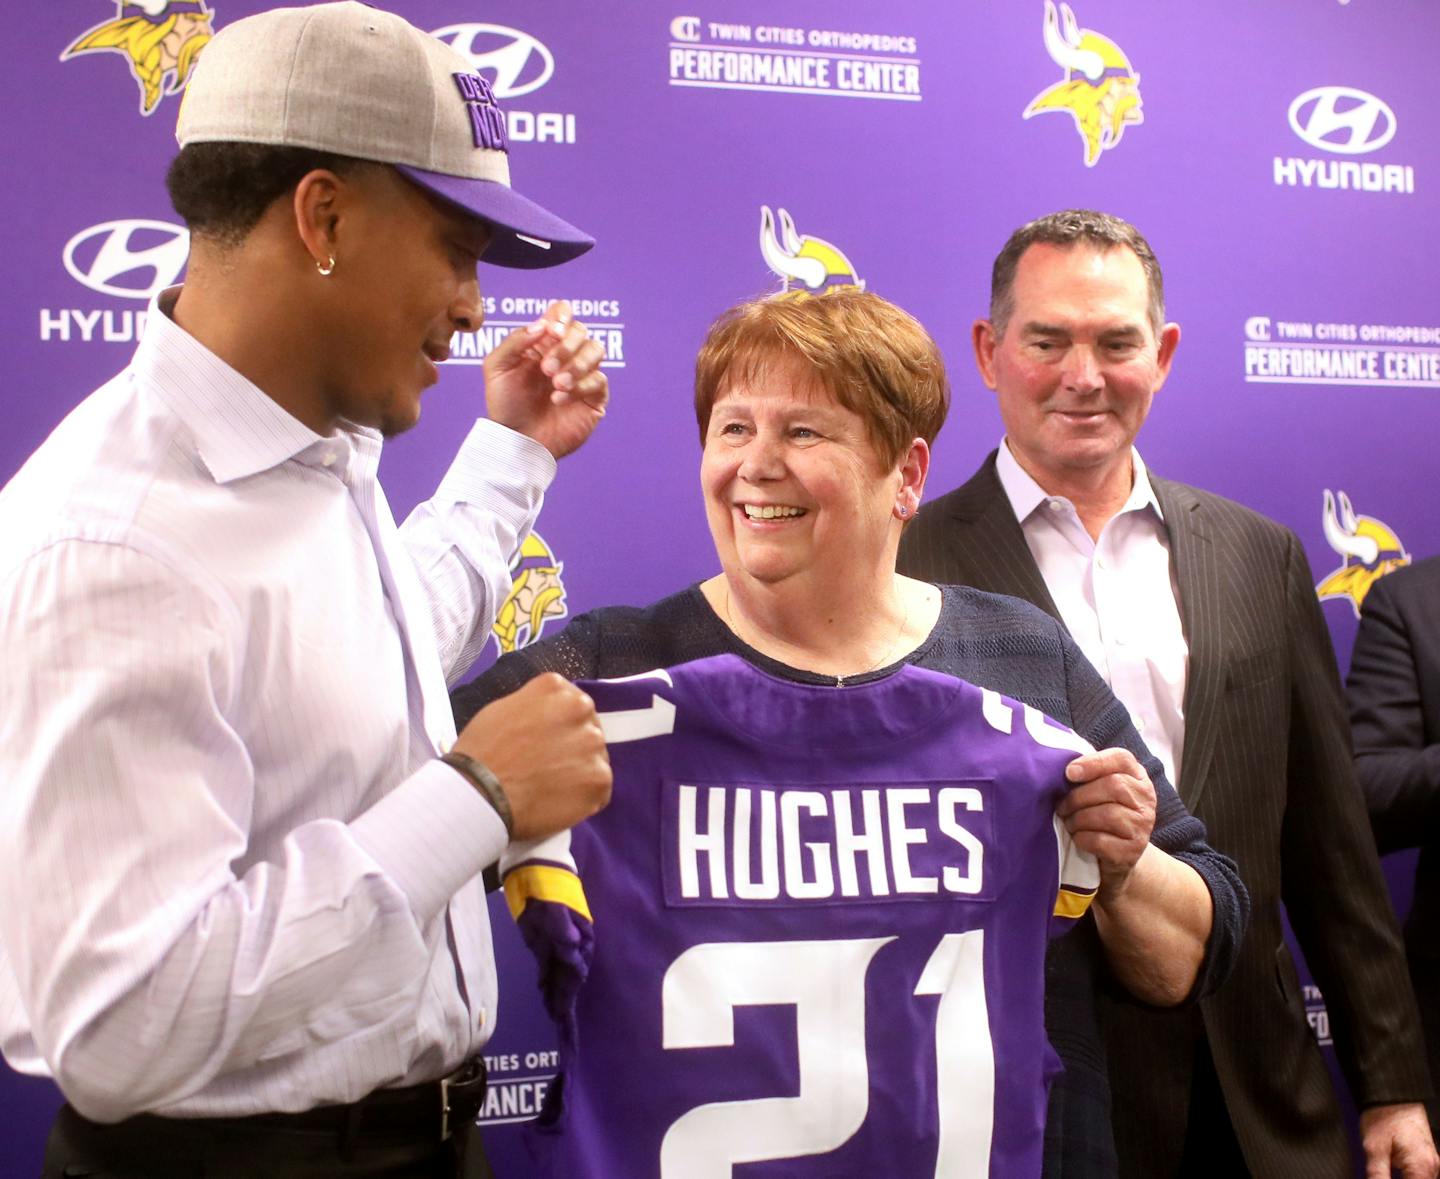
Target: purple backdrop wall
(1283,159)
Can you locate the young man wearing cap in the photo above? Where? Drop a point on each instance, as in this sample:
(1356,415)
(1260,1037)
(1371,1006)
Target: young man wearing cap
(241,917)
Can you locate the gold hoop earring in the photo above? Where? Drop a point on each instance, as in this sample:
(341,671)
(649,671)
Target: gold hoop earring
(327,268)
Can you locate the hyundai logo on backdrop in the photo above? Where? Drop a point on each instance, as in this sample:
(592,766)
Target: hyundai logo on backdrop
(519,62)
(1343,121)
(515,63)
(1318,115)
(132,260)
(114,257)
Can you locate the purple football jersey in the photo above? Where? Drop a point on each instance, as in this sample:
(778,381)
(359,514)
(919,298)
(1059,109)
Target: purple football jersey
(819,927)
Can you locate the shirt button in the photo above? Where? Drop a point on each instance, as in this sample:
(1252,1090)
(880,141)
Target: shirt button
(1139,724)
(1056,505)
(329,459)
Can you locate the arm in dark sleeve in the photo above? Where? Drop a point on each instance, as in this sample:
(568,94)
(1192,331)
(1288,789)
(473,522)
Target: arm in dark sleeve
(572,653)
(1399,771)
(1102,720)
(1334,891)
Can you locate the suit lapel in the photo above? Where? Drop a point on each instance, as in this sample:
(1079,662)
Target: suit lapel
(987,550)
(1197,573)
(984,524)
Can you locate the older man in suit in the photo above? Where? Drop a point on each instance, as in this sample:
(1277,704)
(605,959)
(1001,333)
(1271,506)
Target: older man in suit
(1202,616)
(1394,690)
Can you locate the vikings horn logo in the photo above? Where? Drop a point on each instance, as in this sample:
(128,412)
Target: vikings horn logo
(1369,547)
(1101,90)
(536,596)
(805,261)
(162,38)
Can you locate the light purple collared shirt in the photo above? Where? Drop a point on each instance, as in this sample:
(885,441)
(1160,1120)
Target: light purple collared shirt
(226,847)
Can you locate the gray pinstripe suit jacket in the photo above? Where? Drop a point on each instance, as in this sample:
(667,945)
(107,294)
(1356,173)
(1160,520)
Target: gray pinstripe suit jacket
(1267,766)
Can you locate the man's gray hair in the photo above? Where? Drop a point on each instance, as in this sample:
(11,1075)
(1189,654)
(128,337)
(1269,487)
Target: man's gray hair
(1072,227)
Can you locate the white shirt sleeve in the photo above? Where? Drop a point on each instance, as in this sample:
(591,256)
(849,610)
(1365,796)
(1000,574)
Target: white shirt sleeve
(461,540)
(146,965)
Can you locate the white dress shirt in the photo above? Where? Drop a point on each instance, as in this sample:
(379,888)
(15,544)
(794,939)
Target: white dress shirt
(1117,596)
(226,849)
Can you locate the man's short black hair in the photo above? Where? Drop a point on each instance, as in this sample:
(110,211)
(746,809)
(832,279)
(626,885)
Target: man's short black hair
(221,190)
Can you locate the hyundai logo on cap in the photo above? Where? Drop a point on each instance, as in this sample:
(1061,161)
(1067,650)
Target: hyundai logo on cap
(128,259)
(1323,115)
(519,62)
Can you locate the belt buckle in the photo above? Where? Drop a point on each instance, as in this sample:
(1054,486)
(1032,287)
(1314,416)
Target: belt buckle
(445,1083)
(466,1077)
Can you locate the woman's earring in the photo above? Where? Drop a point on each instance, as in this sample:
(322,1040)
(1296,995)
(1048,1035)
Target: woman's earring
(326,268)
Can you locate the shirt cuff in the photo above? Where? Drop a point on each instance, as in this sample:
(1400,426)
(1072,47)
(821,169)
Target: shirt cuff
(501,471)
(431,835)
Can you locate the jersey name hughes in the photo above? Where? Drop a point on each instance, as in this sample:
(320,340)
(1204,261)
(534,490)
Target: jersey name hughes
(784,869)
(743,845)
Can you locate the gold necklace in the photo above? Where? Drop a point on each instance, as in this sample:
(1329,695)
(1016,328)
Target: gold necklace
(839,679)
(885,654)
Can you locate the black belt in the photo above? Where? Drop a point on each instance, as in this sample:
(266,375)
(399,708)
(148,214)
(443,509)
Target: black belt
(405,1130)
(431,1112)
(434,1110)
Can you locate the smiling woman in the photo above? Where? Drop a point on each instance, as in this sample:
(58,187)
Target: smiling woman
(816,414)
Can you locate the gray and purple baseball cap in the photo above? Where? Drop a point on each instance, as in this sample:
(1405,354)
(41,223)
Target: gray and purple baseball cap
(358,81)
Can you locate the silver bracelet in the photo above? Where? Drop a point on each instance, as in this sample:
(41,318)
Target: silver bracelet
(479,776)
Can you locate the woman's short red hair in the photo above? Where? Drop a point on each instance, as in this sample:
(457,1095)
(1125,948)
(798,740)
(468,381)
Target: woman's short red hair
(872,357)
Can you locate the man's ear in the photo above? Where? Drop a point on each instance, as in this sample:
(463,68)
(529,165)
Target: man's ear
(983,337)
(316,206)
(1165,354)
